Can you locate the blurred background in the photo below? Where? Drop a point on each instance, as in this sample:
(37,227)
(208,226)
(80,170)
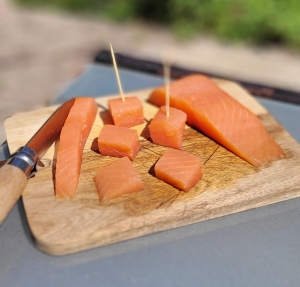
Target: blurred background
(44,45)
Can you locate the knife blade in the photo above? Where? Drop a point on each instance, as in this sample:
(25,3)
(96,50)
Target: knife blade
(20,166)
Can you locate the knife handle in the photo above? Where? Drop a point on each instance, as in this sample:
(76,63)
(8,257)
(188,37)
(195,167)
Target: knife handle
(12,183)
(13,178)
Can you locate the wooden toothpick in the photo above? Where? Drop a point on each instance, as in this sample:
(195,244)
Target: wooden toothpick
(117,73)
(167,77)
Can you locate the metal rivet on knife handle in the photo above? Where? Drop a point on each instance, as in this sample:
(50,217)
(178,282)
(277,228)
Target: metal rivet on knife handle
(25,159)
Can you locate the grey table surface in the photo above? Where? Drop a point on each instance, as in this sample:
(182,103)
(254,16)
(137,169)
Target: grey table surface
(259,247)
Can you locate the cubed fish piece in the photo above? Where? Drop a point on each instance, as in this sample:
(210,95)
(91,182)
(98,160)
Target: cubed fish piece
(168,130)
(118,142)
(127,113)
(222,118)
(117,179)
(179,168)
(73,137)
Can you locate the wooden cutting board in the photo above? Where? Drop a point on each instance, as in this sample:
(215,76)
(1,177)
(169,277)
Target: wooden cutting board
(229,184)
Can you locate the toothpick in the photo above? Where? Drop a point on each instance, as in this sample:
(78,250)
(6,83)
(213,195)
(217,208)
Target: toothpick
(117,73)
(167,59)
(167,85)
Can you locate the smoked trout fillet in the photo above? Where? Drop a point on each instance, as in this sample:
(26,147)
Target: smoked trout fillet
(127,113)
(168,130)
(118,178)
(118,142)
(222,118)
(179,168)
(73,137)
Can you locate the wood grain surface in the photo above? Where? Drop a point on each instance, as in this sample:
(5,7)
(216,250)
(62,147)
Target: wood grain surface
(229,184)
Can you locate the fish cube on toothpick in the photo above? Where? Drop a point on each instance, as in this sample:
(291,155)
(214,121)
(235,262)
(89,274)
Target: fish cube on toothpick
(125,112)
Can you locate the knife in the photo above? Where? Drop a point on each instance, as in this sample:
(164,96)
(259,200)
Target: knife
(22,164)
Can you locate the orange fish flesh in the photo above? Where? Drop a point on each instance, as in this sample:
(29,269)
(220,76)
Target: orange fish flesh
(117,179)
(127,113)
(222,118)
(168,130)
(72,140)
(179,168)
(118,142)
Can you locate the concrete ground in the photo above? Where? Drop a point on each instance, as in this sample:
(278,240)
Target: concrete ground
(42,52)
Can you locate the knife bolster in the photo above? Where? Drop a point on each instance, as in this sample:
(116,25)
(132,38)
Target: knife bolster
(25,159)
